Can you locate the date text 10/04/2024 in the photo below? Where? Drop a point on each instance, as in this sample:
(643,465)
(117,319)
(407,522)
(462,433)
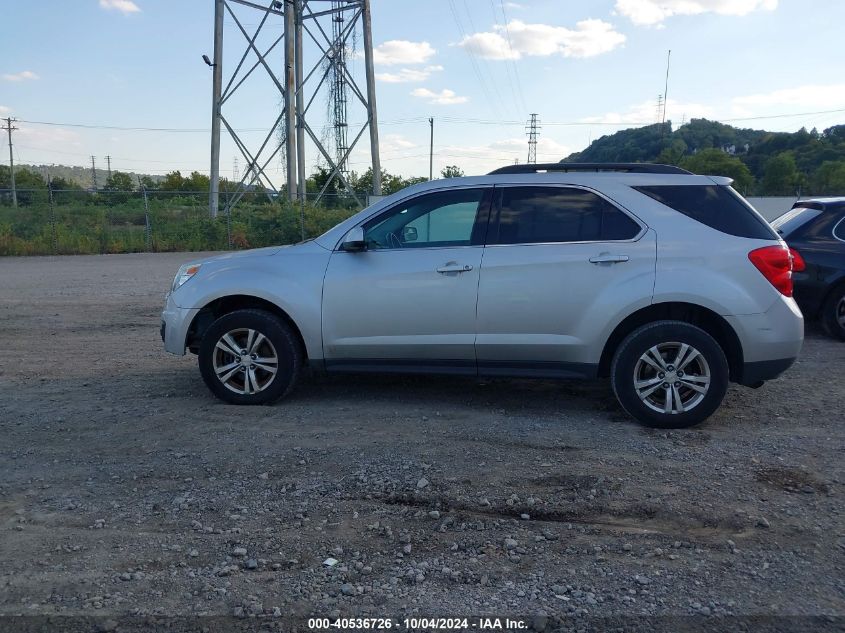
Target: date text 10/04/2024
(419,624)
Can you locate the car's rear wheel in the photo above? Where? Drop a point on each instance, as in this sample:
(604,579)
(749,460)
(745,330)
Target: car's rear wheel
(670,374)
(249,357)
(833,313)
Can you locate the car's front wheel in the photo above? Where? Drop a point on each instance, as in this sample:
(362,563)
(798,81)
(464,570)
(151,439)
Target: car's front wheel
(249,357)
(670,374)
(833,313)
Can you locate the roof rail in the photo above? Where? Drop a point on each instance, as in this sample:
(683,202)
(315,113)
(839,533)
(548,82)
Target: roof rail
(631,168)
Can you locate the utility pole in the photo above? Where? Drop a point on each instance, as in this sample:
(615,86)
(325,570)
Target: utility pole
(533,133)
(10,129)
(300,109)
(94,173)
(108,163)
(371,96)
(431,150)
(216,91)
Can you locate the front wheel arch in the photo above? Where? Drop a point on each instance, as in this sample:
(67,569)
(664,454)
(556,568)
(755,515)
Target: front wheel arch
(231,303)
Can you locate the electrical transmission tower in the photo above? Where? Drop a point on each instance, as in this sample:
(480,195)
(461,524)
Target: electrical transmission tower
(304,73)
(337,62)
(108,168)
(533,131)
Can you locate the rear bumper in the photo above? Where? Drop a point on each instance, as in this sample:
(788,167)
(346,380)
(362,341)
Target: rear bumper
(755,373)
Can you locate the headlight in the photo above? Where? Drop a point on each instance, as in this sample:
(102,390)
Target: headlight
(186,271)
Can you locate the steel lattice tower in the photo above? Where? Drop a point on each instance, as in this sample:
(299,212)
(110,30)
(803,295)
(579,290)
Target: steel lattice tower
(287,26)
(533,131)
(337,61)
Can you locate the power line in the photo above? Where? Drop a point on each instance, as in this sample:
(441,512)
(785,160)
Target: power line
(445,119)
(472,58)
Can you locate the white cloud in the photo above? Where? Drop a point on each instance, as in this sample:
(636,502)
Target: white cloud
(396,52)
(48,139)
(654,12)
(646,113)
(395,143)
(444,97)
(588,39)
(21,76)
(818,96)
(124,6)
(513,5)
(5,109)
(408,75)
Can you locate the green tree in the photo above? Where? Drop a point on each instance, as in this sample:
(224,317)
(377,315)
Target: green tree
(172,181)
(781,177)
(28,184)
(452,171)
(196,182)
(829,179)
(63,184)
(715,162)
(119,181)
(147,182)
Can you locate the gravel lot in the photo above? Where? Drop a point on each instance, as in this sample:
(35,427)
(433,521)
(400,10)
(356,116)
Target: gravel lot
(127,489)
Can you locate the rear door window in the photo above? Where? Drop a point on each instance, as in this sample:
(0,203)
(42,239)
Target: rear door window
(717,206)
(533,215)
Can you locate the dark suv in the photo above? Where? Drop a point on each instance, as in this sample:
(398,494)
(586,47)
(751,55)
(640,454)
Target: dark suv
(815,231)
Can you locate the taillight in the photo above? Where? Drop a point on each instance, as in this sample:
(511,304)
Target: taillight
(798,263)
(775,262)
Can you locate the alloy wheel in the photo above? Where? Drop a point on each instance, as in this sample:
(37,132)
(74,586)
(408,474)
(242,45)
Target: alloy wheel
(245,361)
(672,377)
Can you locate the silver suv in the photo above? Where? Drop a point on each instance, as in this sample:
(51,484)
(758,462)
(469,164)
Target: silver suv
(668,283)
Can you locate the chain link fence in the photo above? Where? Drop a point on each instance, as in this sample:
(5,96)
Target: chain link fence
(76,222)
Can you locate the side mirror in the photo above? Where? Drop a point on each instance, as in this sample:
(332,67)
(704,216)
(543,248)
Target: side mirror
(409,234)
(353,242)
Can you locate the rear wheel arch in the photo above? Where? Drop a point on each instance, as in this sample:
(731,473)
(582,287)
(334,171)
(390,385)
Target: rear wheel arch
(704,318)
(225,305)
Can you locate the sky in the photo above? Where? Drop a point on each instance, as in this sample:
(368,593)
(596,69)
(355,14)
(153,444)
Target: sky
(125,78)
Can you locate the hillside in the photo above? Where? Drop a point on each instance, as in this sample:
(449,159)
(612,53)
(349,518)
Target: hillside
(762,163)
(79,175)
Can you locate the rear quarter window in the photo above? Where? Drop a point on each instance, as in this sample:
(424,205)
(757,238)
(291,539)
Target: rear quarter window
(717,206)
(794,219)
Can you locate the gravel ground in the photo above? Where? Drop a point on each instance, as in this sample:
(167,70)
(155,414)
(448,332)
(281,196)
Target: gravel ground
(128,490)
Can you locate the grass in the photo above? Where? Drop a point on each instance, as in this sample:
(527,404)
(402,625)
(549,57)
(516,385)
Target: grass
(84,224)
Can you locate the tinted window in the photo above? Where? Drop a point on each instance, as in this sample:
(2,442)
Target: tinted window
(794,219)
(557,214)
(718,207)
(445,218)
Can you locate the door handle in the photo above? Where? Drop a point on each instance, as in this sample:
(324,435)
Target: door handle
(454,268)
(606,258)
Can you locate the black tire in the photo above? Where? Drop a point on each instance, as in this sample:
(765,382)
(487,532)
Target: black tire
(832,311)
(670,336)
(282,342)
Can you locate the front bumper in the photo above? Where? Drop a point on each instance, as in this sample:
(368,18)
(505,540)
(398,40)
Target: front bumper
(175,322)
